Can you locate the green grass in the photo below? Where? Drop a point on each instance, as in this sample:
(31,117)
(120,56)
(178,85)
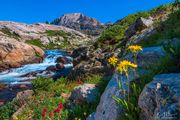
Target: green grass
(48,94)
(99,80)
(57,33)
(168,30)
(6,111)
(161,8)
(10,33)
(50,86)
(153,40)
(63,34)
(51,45)
(35,42)
(117,31)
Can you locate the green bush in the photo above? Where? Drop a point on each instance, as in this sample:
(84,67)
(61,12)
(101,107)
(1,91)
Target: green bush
(35,42)
(162,8)
(57,33)
(117,31)
(6,111)
(42,83)
(152,40)
(169,29)
(172,26)
(49,85)
(81,111)
(132,18)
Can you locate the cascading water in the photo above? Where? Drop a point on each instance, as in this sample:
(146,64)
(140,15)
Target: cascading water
(17,75)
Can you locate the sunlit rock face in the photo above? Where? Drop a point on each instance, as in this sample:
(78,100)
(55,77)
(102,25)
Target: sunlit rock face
(14,53)
(160,98)
(80,22)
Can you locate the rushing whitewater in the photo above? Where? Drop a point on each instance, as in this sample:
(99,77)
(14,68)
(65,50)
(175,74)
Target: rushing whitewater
(18,75)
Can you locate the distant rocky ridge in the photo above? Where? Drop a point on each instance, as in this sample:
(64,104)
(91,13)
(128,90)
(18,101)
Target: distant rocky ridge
(44,33)
(80,22)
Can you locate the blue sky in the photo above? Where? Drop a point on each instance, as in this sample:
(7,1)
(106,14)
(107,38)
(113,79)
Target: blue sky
(32,11)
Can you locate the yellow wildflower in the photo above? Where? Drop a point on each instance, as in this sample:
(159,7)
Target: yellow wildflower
(113,60)
(14,118)
(85,113)
(134,48)
(124,66)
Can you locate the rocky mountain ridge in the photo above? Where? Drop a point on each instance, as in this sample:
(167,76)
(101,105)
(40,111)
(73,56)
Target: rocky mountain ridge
(43,33)
(80,22)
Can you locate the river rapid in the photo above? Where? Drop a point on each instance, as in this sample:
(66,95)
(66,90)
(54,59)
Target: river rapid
(20,75)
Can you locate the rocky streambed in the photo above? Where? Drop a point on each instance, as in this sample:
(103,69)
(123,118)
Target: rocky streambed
(56,63)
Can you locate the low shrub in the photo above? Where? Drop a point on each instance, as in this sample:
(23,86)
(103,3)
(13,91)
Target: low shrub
(6,111)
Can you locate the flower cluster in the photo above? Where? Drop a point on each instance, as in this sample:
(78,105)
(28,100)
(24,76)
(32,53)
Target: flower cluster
(124,65)
(44,112)
(134,48)
(74,84)
(78,83)
(113,60)
(57,110)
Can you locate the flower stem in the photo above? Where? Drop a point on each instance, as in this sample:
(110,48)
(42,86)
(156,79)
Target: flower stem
(128,85)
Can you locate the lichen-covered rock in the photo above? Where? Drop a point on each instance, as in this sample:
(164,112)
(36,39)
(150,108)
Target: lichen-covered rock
(142,36)
(139,25)
(79,54)
(23,97)
(160,99)
(85,93)
(87,62)
(84,69)
(108,108)
(148,57)
(91,116)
